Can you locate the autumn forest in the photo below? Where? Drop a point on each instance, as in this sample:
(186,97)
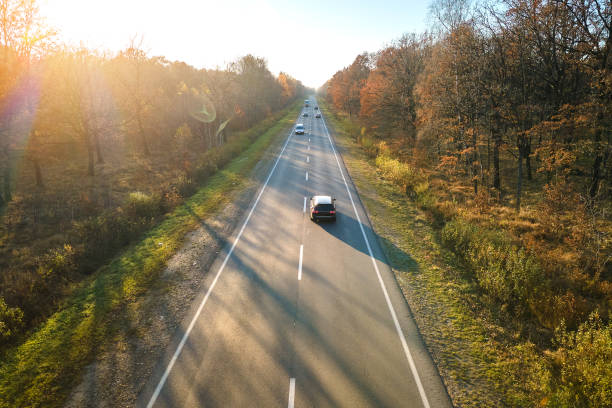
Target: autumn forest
(498,124)
(96,147)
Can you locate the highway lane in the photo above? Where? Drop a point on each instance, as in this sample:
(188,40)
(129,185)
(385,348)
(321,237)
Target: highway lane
(298,313)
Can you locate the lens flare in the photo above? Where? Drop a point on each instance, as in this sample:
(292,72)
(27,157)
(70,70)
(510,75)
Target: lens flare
(202,109)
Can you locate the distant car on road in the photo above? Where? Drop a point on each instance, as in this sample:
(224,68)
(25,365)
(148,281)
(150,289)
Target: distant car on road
(299,129)
(305,114)
(306,102)
(316,108)
(318,115)
(322,208)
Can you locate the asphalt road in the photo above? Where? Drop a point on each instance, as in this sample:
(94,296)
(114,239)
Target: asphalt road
(297,313)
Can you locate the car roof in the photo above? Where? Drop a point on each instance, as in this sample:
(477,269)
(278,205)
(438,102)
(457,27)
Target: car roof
(321,199)
(299,125)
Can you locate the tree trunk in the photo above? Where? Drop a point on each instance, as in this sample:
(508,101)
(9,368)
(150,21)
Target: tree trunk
(38,173)
(474,158)
(528,166)
(90,156)
(7,180)
(528,161)
(143,138)
(98,148)
(496,177)
(597,175)
(489,159)
(519,183)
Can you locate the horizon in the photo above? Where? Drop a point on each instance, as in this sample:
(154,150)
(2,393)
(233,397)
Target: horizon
(338,32)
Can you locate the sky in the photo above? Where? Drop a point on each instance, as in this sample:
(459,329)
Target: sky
(309,40)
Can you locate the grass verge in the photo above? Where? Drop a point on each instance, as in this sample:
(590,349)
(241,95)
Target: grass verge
(42,370)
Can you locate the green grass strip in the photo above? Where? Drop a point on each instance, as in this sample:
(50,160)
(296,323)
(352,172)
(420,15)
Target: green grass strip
(41,371)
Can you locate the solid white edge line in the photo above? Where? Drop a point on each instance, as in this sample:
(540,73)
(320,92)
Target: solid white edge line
(291,392)
(304,210)
(300,264)
(164,377)
(398,328)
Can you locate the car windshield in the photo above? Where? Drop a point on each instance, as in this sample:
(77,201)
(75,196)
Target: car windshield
(324,207)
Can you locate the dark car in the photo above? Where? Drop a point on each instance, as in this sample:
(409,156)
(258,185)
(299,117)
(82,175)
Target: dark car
(305,114)
(322,208)
(318,115)
(316,108)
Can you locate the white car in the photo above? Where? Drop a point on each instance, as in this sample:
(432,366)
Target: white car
(322,208)
(299,129)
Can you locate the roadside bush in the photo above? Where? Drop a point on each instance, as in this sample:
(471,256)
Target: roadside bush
(100,237)
(11,321)
(424,197)
(401,174)
(444,211)
(508,274)
(583,360)
(185,186)
(382,148)
(58,264)
(355,131)
(206,169)
(141,205)
(368,145)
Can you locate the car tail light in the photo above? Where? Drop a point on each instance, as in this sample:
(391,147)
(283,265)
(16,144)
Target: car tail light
(315,212)
(332,212)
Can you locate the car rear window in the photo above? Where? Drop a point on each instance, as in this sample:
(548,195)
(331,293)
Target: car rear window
(324,207)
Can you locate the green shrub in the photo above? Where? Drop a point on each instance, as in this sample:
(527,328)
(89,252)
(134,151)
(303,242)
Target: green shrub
(206,169)
(58,264)
(457,236)
(185,186)
(11,321)
(142,205)
(368,144)
(510,275)
(584,362)
(100,237)
(401,174)
(424,196)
